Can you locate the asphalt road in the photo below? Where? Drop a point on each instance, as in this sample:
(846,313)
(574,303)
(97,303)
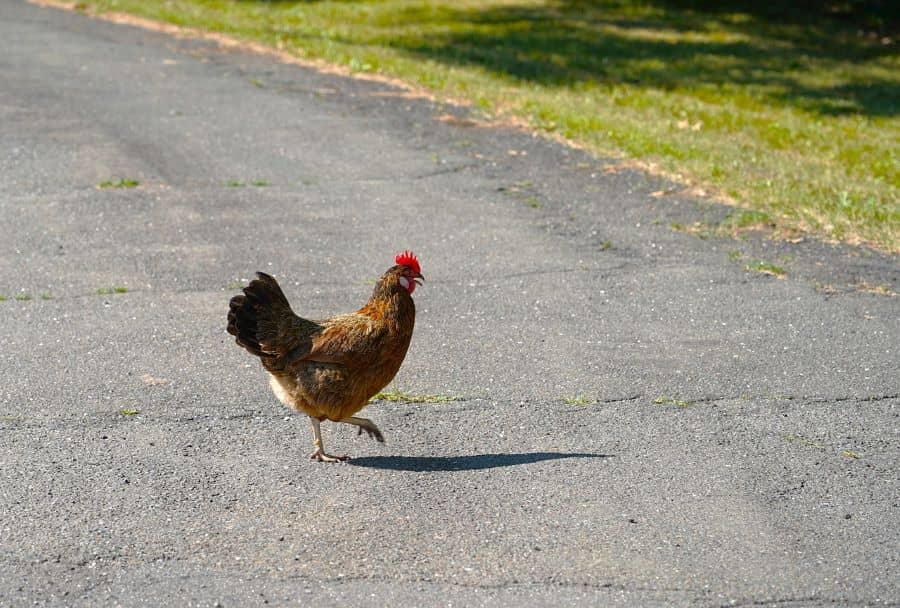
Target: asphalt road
(639,419)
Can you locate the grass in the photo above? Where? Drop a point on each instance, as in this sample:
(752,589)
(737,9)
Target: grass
(124,182)
(578,400)
(789,110)
(398,396)
(670,401)
(105,291)
(129,412)
(881,290)
(801,440)
(23,297)
(236,183)
(766,268)
(811,443)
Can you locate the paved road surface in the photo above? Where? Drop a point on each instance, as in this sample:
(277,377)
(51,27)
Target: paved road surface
(636,425)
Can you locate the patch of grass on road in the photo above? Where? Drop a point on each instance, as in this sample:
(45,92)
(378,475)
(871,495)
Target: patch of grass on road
(106,291)
(790,110)
(578,400)
(398,396)
(663,400)
(236,183)
(125,182)
(766,268)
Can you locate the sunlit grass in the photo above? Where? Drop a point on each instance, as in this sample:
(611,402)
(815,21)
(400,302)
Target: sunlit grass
(796,119)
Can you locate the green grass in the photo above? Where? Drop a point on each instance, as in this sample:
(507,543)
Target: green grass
(766,268)
(23,297)
(670,401)
(125,182)
(811,443)
(578,400)
(236,183)
(105,291)
(398,396)
(129,412)
(791,113)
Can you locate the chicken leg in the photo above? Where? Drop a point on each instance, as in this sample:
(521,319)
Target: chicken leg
(319,453)
(366,425)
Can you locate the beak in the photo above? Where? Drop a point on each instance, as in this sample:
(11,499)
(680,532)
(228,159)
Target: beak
(418,278)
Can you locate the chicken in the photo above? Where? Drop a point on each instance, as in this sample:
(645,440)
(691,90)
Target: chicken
(329,369)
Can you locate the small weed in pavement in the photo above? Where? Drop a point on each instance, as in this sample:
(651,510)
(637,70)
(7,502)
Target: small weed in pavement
(766,268)
(670,401)
(105,291)
(578,400)
(402,397)
(125,182)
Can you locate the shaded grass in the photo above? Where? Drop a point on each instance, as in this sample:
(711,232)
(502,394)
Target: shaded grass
(786,111)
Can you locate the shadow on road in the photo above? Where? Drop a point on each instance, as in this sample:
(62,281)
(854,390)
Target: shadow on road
(462,463)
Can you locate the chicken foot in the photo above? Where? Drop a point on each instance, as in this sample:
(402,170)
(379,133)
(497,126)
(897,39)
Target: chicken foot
(364,424)
(319,453)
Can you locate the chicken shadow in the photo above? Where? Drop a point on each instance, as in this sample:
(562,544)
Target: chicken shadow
(463,463)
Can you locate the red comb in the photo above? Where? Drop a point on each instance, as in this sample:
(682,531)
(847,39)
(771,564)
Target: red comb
(408,258)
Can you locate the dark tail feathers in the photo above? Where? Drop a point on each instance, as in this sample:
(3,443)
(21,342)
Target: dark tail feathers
(254,317)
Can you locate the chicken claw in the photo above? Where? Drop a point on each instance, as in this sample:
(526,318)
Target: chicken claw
(321,456)
(364,424)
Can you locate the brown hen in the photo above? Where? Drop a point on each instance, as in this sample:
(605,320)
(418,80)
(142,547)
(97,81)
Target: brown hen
(329,369)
